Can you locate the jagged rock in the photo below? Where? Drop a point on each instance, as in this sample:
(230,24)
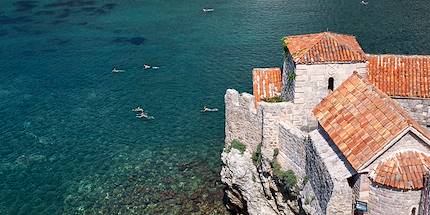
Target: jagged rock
(248,192)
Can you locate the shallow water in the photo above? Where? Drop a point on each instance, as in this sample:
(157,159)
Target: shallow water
(69,143)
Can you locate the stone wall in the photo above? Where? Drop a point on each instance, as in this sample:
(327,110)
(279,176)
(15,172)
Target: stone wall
(242,119)
(254,124)
(313,157)
(292,151)
(272,115)
(419,109)
(384,201)
(288,82)
(328,175)
(311,86)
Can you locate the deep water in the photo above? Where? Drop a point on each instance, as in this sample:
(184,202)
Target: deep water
(69,143)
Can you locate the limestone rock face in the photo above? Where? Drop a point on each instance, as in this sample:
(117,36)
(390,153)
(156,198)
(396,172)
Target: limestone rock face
(245,193)
(248,190)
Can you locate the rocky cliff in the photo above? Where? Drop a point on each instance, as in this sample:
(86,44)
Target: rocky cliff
(253,190)
(258,178)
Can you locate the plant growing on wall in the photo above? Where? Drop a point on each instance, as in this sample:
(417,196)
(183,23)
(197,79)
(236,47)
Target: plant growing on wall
(256,156)
(286,180)
(286,177)
(273,99)
(236,144)
(285,46)
(291,77)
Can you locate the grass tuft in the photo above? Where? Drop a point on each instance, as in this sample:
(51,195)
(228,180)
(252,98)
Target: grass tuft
(236,144)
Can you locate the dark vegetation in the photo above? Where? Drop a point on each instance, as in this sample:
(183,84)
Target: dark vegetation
(274,99)
(236,144)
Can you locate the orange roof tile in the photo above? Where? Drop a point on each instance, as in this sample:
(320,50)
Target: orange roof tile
(325,47)
(361,119)
(400,75)
(403,170)
(266,82)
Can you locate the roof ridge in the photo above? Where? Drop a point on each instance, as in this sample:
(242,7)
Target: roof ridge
(300,35)
(319,39)
(306,50)
(328,35)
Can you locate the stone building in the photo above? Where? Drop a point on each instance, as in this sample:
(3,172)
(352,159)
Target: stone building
(316,64)
(386,151)
(355,124)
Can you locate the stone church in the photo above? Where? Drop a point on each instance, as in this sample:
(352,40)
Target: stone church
(367,118)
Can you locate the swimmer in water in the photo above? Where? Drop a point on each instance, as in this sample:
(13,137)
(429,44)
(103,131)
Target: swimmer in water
(147,66)
(138,109)
(206,109)
(114,70)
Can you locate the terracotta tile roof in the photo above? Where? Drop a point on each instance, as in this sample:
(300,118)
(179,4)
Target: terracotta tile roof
(404,170)
(326,47)
(266,82)
(399,75)
(361,119)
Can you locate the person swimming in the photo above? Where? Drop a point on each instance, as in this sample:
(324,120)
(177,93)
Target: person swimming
(206,109)
(147,66)
(141,115)
(137,109)
(114,70)
(144,115)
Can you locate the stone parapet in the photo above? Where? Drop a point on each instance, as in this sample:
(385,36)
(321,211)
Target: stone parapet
(419,109)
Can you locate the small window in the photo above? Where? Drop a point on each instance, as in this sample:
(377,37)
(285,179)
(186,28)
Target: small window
(331,83)
(414,211)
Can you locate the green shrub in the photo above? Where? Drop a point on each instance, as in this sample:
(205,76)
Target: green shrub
(236,144)
(285,46)
(286,177)
(256,156)
(305,180)
(275,153)
(273,99)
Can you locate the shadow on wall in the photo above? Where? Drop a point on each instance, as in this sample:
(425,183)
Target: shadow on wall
(337,151)
(319,176)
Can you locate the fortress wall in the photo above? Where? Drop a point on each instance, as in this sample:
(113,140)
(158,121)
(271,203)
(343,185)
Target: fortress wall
(272,125)
(253,124)
(419,109)
(272,115)
(242,119)
(292,152)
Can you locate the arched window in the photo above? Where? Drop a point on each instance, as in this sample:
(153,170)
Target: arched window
(414,211)
(330,83)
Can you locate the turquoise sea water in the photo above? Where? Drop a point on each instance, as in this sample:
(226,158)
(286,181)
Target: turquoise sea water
(69,143)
